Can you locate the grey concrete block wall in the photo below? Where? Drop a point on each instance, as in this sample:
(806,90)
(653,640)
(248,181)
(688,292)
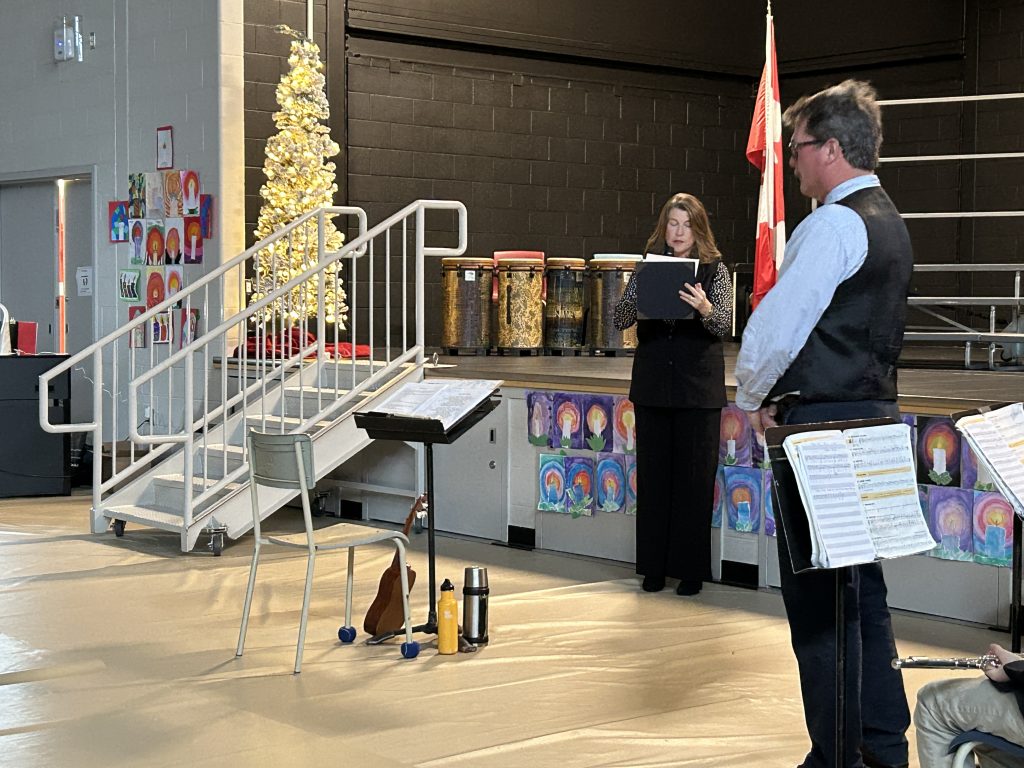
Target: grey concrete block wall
(154,63)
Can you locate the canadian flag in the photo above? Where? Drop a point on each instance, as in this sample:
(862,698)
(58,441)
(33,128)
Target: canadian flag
(765,132)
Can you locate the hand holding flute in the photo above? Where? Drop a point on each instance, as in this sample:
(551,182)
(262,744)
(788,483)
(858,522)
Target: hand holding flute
(991,663)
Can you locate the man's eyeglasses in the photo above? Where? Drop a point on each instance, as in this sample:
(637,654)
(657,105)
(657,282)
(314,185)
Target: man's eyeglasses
(794,146)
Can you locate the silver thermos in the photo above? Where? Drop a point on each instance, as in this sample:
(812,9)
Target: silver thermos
(474,605)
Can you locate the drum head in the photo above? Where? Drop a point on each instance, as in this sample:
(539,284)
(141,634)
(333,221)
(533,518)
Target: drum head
(612,264)
(567,264)
(518,255)
(515,265)
(466,262)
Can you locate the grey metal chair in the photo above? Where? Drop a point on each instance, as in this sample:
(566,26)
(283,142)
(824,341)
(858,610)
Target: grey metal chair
(286,461)
(965,743)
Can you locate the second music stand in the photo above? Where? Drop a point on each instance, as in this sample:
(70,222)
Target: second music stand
(383,426)
(1016,615)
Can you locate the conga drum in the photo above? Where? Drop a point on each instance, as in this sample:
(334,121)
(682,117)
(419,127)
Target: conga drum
(564,312)
(466,299)
(609,275)
(520,326)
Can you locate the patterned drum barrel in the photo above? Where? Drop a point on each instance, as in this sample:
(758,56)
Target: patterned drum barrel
(520,311)
(609,276)
(564,312)
(466,299)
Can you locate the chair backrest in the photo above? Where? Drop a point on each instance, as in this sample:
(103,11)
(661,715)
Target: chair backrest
(273,461)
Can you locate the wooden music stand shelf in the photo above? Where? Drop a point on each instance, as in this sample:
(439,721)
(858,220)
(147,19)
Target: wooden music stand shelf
(383,426)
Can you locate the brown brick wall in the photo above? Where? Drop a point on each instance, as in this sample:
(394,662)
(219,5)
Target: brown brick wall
(998,67)
(266,59)
(574,159)
(567,166)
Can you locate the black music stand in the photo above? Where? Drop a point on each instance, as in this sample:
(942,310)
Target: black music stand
(385,426)
(1015,569)
(792,520)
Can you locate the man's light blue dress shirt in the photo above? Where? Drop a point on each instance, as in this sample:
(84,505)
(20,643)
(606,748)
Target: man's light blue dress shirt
(827,247)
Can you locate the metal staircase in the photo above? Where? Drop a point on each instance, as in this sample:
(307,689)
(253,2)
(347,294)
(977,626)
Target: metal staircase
(186,405)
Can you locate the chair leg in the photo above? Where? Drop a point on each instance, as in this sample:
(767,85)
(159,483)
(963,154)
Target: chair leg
(248,600)
(305,611)
(964,757)
(348,586)
(404,576)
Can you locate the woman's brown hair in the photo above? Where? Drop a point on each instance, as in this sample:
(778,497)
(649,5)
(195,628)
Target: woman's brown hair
(704,247)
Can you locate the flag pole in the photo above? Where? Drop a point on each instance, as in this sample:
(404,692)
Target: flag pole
(764,150)
(769,132)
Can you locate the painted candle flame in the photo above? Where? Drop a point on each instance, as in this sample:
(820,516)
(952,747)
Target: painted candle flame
(537,419)
(629,422)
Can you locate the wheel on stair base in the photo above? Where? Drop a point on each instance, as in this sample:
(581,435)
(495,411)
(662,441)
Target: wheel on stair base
(119,528)
(217,543)
(346,634)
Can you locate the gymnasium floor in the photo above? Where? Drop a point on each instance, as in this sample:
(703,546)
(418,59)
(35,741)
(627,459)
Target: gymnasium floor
(120,652)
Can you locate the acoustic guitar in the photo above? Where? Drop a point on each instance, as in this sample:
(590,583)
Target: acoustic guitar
(385,613)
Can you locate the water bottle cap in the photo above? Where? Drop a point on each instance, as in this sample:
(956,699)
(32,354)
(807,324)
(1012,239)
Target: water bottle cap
(447,586)
(476,577)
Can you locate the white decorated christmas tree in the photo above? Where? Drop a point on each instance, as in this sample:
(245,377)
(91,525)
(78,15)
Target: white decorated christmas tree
(300,178)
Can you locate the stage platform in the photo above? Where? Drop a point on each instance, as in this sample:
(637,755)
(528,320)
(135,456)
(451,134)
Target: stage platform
(931,391)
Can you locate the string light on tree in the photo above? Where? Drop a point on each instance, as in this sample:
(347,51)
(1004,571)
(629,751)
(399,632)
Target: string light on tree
(300,178)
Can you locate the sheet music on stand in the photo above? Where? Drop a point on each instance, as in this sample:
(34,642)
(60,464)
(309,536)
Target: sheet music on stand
(859,492)
(444,400)
(997,439)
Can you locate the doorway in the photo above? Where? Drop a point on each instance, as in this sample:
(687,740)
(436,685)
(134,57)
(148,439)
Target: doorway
(29,259)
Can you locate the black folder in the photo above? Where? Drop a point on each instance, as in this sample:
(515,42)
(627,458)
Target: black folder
(657,289)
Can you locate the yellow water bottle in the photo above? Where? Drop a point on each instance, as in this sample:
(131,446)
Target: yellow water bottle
(447,620)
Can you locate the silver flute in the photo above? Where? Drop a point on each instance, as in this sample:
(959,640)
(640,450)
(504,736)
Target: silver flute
(978,662)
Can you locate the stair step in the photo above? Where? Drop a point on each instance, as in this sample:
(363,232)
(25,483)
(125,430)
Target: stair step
(328,391)
(310,399)
(176,481)
(217,448)
(152,515)
(273,423)
(214,456)
(216,451)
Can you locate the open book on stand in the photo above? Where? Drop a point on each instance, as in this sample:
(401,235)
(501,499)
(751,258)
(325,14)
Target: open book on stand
(445,400)
(997,439)
(859,491)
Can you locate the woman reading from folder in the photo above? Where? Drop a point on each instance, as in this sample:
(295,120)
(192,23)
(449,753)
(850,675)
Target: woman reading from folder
(678,392)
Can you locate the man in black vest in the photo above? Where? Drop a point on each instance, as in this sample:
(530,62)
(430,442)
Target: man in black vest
(822,346)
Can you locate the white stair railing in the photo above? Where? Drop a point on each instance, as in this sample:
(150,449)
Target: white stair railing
(204,391)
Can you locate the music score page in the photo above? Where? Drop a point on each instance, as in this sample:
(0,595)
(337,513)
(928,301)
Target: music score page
(446,400)
(828,490)
(860,491)
(883,461)
(997,438)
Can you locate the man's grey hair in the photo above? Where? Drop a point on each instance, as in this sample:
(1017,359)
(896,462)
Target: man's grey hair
(848,113)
